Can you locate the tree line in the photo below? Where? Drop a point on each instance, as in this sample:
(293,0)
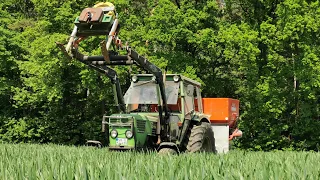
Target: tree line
(264,53)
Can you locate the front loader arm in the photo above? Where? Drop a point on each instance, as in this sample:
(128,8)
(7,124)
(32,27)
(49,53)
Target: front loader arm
(112,74)
(97,63)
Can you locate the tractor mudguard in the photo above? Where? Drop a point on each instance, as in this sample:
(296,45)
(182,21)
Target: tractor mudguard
(170,145)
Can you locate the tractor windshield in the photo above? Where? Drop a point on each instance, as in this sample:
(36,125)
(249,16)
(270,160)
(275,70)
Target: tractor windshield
(143,94)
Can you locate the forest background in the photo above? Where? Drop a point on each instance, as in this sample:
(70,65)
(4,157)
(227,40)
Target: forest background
(263,52)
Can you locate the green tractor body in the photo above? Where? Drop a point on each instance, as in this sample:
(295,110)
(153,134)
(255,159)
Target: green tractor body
(140,127)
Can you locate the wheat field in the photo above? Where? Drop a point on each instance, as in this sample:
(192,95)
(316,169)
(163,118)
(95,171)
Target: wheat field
(31,161)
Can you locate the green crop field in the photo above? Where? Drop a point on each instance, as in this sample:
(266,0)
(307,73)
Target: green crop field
(23,161)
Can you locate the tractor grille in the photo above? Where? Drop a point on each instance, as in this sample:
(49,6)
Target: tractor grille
(113,120)
(141,126)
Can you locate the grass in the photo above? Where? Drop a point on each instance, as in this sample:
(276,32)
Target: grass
(24,161)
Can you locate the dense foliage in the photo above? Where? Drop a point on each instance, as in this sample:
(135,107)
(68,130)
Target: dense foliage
(61,162)
(265,53)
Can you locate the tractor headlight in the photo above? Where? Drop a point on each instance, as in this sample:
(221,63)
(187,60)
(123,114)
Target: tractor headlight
(176,78)
(134,79)
(114,133)
(129,134)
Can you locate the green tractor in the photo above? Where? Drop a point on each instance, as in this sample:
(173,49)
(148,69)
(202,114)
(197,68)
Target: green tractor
(142,127)
(159,111)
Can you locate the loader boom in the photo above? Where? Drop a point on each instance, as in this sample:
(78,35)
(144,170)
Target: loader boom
(95,63)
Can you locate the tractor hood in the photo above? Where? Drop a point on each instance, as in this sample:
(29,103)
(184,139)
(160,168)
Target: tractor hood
(142,126)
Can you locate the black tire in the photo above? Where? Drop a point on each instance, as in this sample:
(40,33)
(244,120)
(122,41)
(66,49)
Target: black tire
(167,151)
(91,144)
(201,139)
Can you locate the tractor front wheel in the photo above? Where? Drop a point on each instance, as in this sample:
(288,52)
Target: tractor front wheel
(201,139)
(167,151)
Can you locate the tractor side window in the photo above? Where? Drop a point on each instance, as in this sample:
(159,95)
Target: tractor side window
(189,98)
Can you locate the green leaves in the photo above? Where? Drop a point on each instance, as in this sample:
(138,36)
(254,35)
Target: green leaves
(22,130)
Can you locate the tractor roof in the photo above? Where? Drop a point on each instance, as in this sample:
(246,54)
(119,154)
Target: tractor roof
(170,77)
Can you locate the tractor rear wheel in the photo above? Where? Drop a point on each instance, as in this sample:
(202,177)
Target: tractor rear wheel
(167,151)
(201,139)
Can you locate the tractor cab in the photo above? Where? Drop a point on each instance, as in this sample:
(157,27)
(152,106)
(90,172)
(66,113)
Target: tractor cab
(143,95)
(182,94)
